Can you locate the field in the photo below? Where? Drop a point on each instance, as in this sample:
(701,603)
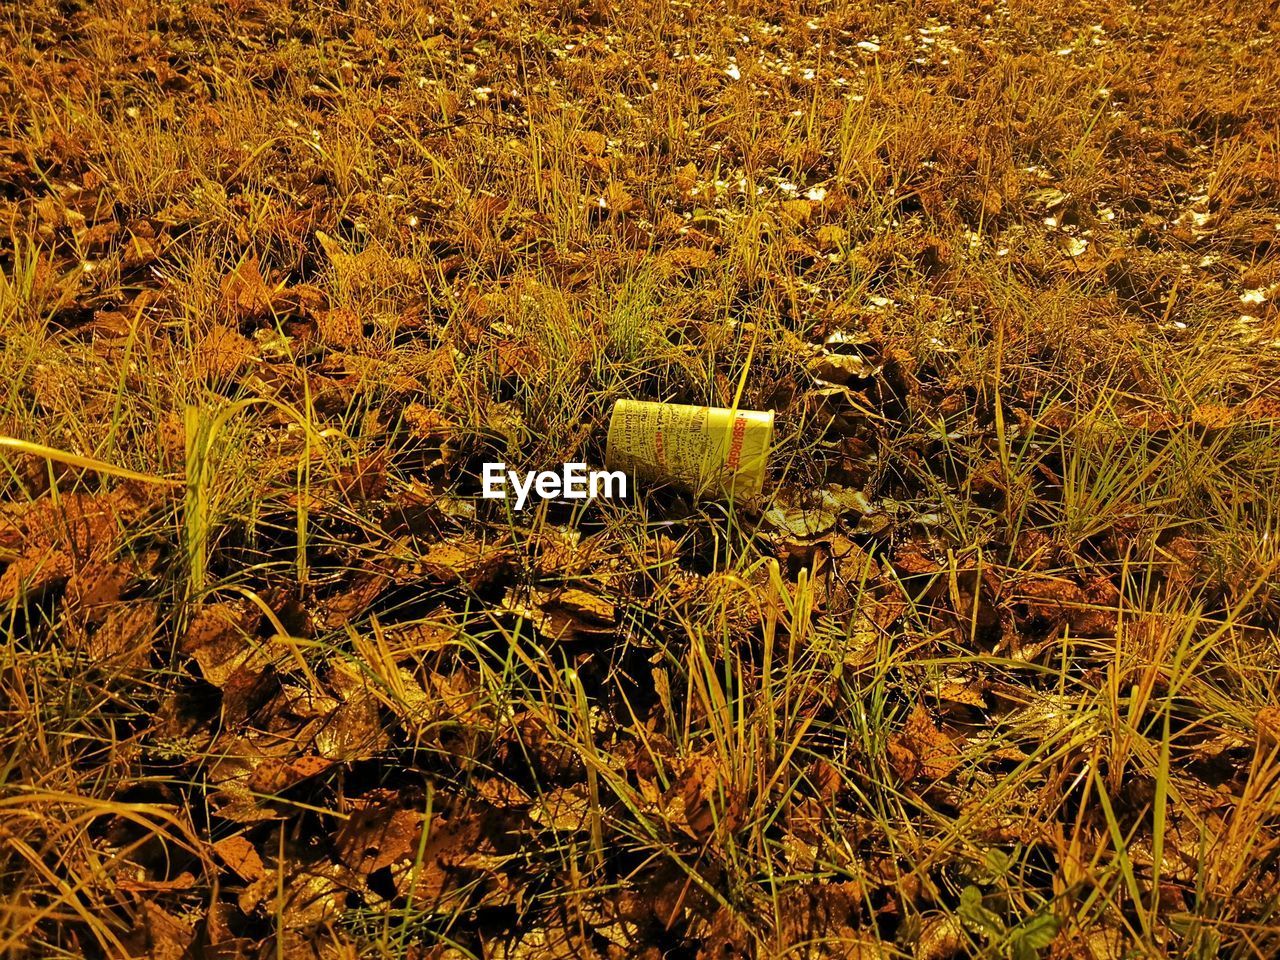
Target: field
(992,667)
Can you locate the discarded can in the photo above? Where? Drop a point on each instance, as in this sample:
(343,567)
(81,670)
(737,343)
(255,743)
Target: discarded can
(712,451)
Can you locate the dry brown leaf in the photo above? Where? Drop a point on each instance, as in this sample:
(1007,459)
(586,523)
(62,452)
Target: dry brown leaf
(275,774)
(221,354)
(843,368)
(236,656)
(303,300)
(968,694)
(241,857)
(1262,409)
(800,521)
(850,562)
(617,200)
(354,731)
(87,526)
(820,920)
(469,562)
(941,938)
(922,751)
(607,918)
(457,849)
(339,327)
(1267,723)
(1214,416)
(566,614)
(826,779)
(518,360)
(591,142)
(167,937)
(529,740)
(53,538)
(560,941)
(140,250)
(421,636)
(27,575)
(314,895)
(98,236)
(126,635)
(686,178)
(681,260)
(566,553)
(96,586)
(1090,611)
(378,835)
(213,623)
(427,424)
(183,881)
(831,237)
(501,793)
(245,294)
(797,211)
(700,797)
(1098,615)
(911,558)
(355,598)
(737,603)
(563,809)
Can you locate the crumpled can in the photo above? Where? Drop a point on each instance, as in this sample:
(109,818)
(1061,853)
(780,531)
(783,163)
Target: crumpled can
(714,452)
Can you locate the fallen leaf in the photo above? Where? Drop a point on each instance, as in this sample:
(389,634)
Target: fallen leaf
(355,598)
(1074,246)
(245,294)
(831,237)
(686,178)
(427,424)
(800,521)
(274,775)
(1267,724)
(563,809)
(1214,416)
(922,751)
(378,835)
(339,327)
(942,937)
(591,142)
(558,942)
(183,881)
(221,354)
(565,614)
(96,586)
(167,937)
(617,200)
(241,857)
(701,799)
(354,731)
(678,261)
(315,894)
(27,575)
(469,562)
(126,635)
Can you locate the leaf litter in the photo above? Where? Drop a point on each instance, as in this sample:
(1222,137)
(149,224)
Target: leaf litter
(990,669)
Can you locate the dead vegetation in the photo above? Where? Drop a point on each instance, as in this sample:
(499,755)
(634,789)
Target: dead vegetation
(992,671)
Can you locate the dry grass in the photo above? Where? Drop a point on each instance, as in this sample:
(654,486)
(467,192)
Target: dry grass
(993,669)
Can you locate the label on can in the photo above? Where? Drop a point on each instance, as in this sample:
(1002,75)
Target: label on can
(713,451)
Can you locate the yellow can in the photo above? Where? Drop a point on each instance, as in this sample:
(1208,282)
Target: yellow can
(713,451)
